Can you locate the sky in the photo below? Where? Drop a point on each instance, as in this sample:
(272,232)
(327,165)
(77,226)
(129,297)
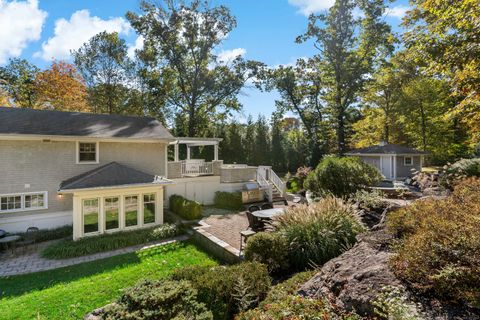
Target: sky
(42,30)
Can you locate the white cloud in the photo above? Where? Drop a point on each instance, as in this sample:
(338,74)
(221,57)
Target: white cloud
(306,7)
(72,34)
(397,11)
(20,22)
(138,45)
(230,55)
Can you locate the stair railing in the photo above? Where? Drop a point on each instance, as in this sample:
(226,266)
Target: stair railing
(265,186)
(277,182)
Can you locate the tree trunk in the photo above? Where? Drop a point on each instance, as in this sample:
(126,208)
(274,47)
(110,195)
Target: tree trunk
(191,122)
(341,131)
(424,127)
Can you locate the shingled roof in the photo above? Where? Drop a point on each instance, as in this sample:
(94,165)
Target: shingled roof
(386,149)
(110,175)
(23,121)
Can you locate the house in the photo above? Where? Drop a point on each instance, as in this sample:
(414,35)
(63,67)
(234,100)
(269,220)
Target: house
(104,173)
(393,161)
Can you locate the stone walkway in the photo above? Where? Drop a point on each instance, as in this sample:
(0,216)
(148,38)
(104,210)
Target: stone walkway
(32,261)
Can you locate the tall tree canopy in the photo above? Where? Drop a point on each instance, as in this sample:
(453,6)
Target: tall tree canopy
(61,88)
(104,63)
(446,35)
(17,83)
(179,58)
(351,38)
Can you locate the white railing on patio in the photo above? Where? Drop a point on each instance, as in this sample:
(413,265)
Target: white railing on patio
(265,186)
(196,167)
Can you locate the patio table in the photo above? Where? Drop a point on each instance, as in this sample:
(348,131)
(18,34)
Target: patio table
(268,213)
(9,240)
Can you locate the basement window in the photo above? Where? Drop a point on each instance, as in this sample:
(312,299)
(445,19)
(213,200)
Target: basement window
(408,161)
(23,202)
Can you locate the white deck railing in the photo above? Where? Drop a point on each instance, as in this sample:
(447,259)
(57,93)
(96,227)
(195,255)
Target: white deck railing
(196,167)
(281,186)
(264,185)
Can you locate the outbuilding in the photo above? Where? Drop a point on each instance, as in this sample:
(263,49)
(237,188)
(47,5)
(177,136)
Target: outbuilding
(394,161)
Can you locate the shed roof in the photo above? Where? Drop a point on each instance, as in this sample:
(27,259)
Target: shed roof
(386,149)
(110,175)
(23,121)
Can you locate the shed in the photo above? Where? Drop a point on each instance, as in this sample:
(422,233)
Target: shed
(394,161)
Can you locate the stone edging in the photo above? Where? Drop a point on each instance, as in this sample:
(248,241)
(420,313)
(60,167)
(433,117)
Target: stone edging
(214,245)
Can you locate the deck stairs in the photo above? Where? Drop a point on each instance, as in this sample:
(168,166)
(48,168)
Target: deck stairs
(270,182)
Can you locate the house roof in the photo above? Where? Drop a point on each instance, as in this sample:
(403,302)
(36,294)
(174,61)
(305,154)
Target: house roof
(386,149)
(23,121)
(110,175)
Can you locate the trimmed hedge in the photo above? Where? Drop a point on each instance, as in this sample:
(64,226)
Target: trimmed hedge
(68,248)
(228,200)
(187,209)
(52,234)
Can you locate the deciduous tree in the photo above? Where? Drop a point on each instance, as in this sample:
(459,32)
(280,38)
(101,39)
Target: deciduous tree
(61,88)
(17,81)
(179,57)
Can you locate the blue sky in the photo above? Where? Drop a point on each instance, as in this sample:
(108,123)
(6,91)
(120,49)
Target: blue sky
(39,30)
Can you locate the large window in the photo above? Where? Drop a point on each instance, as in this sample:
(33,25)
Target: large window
(148,208)
(131,211)
(112,209)
(90,212)
(23,202)
(87,152)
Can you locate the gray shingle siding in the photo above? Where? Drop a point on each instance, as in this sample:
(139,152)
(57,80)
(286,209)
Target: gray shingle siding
(44,165)
(406,171)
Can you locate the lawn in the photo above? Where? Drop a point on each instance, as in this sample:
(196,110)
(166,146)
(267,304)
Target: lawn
(71,292)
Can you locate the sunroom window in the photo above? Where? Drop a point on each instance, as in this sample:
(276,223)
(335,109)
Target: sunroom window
(90,210)
(148,208)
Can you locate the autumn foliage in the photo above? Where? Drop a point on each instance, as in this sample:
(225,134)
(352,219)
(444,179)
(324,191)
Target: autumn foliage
(61,88)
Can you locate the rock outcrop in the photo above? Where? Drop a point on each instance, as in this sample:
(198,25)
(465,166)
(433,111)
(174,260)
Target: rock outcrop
(354,280)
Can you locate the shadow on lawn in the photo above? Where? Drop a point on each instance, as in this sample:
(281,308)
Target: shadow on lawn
(21,284)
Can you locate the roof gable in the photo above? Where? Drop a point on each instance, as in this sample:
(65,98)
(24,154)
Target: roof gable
(110,175)
(22,121)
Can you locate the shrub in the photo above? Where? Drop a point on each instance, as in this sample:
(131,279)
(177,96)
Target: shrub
(52,234)
(439,249)
(68,248)
(341,176)
(187,209)
(296,307)
(269,248)
(288,287)
(318,232)
(461,169)
(228,200)
(369,200)
(227,290)
(164,299)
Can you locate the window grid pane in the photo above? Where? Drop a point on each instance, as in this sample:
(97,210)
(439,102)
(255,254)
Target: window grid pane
(20,202)
(87,152)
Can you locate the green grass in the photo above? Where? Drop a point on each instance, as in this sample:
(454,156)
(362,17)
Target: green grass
(71,292)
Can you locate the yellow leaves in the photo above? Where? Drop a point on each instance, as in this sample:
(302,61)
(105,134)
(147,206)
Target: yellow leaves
(61,88)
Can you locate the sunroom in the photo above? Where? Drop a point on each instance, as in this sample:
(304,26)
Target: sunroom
(113,198)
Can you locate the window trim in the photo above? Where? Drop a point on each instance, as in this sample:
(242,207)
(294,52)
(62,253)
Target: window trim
(143,208)
(139,207)
(22,201)
(97,153)
(99,216)
(405,161)
(119,199)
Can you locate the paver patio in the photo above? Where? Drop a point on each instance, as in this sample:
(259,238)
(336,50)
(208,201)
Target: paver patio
(226,227)
(32,261)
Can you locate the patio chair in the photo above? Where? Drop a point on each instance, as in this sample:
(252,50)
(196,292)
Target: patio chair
(244,235)
(30,238)
(255,223)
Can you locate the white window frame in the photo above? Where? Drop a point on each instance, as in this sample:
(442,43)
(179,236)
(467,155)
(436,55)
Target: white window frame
(143,208)
(119,207)
(99,216)
(405,161)
(22,201)
(97,153)
(139,208)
